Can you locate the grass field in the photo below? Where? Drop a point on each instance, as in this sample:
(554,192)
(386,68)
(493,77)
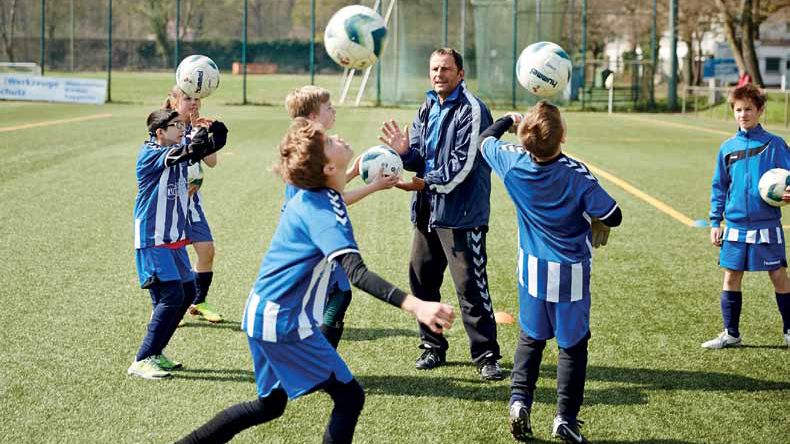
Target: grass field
(73,315)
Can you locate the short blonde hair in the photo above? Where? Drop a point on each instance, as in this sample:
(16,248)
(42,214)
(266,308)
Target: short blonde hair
(303,101)
(173,97)
(541,131)
(302,157)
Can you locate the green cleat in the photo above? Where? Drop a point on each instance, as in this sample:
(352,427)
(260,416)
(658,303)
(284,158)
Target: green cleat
(166,363)
(208,312)
(148,369)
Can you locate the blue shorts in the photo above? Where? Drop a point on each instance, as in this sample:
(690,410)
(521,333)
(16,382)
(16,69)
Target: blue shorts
(162,264)
(298,367)
(740,256)
(199,230)
(569,322)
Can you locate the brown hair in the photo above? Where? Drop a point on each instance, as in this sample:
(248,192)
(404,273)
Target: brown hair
(305,100)
(541,130)
(457,57)
(160,119)
(173,97)
(747,92)
(302,157)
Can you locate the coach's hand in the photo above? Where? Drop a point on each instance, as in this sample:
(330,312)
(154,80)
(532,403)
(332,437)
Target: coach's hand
(393,137)
(600,234)
(416,184)
(435,315)
(716,236)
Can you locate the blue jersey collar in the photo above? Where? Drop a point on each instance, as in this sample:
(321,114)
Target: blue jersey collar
(752,133)
(453,97)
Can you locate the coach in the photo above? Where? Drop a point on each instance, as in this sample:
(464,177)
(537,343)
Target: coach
(450,208)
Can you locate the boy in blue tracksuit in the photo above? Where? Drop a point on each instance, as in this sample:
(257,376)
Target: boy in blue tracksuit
(561,207)
(752,239)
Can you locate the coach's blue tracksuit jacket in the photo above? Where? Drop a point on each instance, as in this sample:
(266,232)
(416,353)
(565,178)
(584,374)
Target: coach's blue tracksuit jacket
(741,162)
(459,185)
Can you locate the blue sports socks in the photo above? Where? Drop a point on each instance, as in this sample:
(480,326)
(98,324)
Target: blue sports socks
(731,302)
(783,302)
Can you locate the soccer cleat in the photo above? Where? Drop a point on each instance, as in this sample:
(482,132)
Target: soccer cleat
(490,370)
(207,312)
(722,340)
(787,338)
(520,424)
(166,363)
(148,369)
(430,358)
(568,431)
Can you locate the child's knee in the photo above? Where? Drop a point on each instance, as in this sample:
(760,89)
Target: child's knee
(273,406)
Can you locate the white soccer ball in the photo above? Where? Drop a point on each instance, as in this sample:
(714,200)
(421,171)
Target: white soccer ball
(544,69)
(379,160)
(197,76)
(354,37)
(772,186)
(195,174)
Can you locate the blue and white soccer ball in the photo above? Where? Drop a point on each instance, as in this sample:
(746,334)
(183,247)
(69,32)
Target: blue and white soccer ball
(354,37)
(544,69)
(772,186)
(379,160)
(195,175)
(197,76)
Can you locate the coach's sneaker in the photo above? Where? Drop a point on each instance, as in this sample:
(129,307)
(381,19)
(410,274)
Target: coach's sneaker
(207,312)
(148,369)
(568,431)
(724,339)
(430,358)
(520,425)
(787,338)
(490,370)
(166,363)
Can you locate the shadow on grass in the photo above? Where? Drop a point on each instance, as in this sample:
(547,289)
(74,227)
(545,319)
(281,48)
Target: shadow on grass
(371,334)
(233,325)
(220,374)
(639,383)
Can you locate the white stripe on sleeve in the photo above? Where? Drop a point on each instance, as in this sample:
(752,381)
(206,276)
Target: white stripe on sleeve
(471,152)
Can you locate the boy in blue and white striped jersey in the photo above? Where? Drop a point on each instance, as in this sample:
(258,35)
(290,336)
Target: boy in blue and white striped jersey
(161,231)
(753,239)
(290,356)
(559,204)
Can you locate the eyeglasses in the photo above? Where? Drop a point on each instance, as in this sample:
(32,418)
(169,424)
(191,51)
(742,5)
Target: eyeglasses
(178,125)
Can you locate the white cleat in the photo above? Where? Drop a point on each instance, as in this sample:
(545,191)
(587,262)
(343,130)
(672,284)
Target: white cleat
(723,340)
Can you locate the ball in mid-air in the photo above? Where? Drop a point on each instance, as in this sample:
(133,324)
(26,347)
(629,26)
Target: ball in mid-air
(772,186)
(379,160)
(197,76)
(354,37)
(544,69)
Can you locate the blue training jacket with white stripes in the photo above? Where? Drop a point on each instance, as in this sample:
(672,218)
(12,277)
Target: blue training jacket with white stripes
(459,185)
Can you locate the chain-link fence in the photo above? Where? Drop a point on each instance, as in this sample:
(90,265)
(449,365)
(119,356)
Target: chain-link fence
(275,38)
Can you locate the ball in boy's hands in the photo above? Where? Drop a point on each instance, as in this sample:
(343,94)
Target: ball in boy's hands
(379,160)
(772,186)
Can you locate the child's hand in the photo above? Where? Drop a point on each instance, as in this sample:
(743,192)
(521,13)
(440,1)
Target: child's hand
(353,171)
(382,182)
(786,195)
(600,233)
(716,235)
(517,118)
(436,316)
(393,137)
(416,184)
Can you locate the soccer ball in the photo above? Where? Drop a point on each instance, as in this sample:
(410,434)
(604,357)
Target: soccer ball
(543,68)
(197,76)
(354,37)
(379,160)
(195,174)
(772,186)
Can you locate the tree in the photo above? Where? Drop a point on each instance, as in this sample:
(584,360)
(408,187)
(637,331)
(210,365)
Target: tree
(160,13)
(7,23)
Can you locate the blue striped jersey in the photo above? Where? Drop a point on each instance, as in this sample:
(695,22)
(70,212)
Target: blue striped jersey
(288,297)
(771,235)
(555,203)
(160,209)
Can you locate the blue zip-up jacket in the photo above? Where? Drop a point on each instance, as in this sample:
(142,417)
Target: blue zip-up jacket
(459,186)
(741,162)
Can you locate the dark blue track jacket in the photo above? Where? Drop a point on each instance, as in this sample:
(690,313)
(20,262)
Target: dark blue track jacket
(459,185)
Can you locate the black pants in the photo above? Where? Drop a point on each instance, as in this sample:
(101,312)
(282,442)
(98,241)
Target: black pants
(464,250)
(571,373)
